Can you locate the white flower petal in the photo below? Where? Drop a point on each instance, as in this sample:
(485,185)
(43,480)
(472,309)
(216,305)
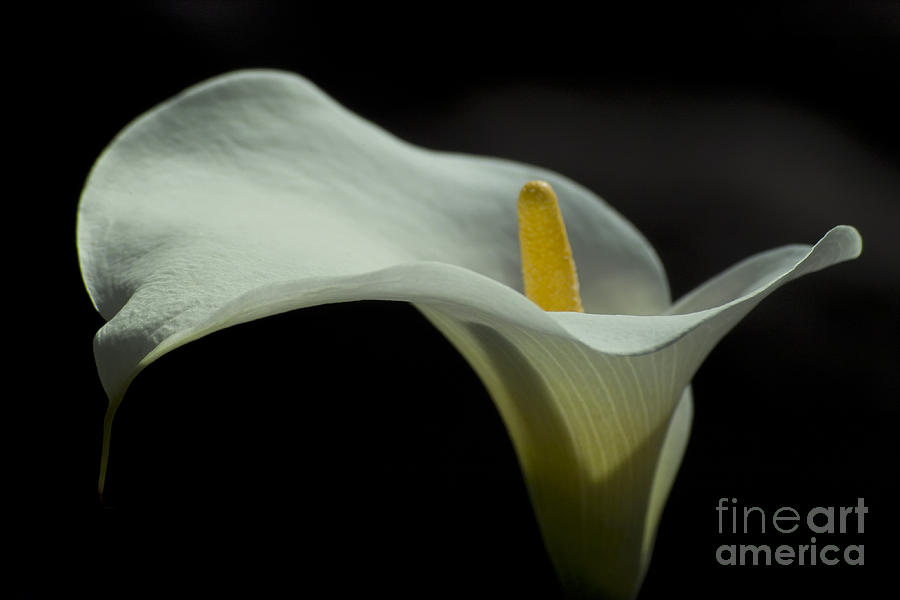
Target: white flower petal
(615,382)
(254,194)
(267,158)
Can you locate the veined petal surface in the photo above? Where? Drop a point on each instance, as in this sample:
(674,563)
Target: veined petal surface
(254,194)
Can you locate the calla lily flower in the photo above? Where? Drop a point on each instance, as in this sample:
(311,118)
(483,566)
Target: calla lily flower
(254,194)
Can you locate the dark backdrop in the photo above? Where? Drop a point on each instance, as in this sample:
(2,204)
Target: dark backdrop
(236,470)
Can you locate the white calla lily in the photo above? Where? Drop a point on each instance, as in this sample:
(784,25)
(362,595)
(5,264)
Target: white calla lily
(254,194)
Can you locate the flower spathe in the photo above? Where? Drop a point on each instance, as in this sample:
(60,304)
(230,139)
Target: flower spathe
(254,194)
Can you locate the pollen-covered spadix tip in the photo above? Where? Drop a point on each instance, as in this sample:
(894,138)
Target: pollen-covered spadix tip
(548,269)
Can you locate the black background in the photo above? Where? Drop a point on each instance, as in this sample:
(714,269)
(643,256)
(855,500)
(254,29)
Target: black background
(349,446)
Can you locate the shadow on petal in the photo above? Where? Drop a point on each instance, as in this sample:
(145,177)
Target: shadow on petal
(599,530)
